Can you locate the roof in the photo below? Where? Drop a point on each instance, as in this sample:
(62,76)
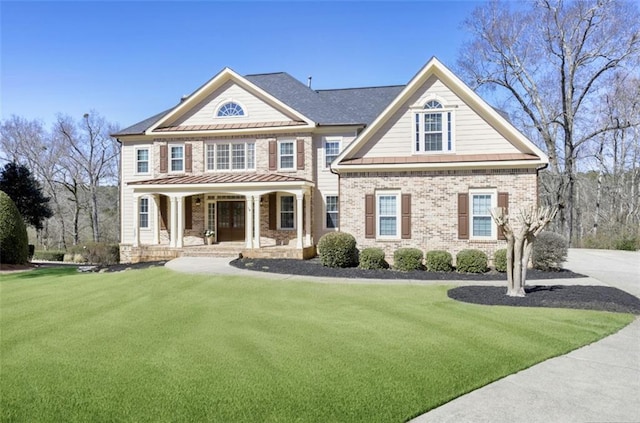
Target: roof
(220,178)
(348,106)
(440,158)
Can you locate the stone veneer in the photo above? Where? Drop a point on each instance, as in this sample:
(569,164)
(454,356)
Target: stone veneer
(434,197)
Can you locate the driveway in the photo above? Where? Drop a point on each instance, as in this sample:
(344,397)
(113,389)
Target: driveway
(596,383)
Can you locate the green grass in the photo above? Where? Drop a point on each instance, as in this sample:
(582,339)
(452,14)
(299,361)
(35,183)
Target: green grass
(154,346)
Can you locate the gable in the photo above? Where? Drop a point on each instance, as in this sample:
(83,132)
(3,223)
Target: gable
(475,133)
(255,109)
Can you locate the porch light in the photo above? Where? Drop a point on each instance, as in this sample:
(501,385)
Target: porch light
(198,202)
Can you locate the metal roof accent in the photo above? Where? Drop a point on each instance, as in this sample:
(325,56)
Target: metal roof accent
(220,126)
(439,158)
(220,178)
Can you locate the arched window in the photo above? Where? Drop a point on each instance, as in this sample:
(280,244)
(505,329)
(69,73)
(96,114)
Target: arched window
(433,104)
(230,109)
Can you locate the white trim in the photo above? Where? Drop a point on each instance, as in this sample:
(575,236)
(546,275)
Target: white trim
(493,192)
(170,146)
(135,159)
(278,211)
(226,101)
(466,94)
(388,193)
(218,80)
(505,164)
(293,142)
(325,140)
(324,210)
(140,212)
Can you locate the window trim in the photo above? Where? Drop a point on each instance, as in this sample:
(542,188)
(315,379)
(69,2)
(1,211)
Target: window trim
(448,127)
(326,212)
(224,103)
(324,150)
(398,216)
(493,192)
(136,150)
(170,158)
(279,211)
(293,154)
(141,213)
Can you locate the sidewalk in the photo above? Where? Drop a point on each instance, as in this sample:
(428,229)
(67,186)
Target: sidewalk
(596,383)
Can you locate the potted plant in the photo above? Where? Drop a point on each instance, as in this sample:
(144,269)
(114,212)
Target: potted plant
(209,235)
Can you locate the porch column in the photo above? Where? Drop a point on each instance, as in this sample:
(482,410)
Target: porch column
(307,216)
(136,221)
(180,222)
(173,227)
(156,229)
(256,221)
(299,198)
(248,221)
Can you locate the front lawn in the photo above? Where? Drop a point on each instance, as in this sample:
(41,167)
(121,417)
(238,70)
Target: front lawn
(154,345)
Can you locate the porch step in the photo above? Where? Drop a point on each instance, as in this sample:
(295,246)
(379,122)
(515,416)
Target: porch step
(212,251)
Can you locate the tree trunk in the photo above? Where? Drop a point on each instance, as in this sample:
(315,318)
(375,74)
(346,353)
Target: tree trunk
(516,287)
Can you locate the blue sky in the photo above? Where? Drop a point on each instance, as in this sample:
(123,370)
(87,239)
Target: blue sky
(130,60)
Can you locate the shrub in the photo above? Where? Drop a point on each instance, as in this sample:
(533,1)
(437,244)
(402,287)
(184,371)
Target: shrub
(549,251)
(338,249)
(438,261)
(14,242)
(373,258)
(627,243)
(500,260)
(471,261)
(407,259)
(48,255)
(102,254)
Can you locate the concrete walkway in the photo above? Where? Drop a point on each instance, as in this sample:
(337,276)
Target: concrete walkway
(596,383)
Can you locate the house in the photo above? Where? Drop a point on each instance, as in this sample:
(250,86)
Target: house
(271,165)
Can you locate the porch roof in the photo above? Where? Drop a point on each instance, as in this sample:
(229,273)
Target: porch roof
(221,178)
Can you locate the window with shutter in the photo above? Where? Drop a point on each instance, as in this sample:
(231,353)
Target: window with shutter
(463,216)
(370,216)
(300,154)
(163,159)
(503,201)
(188,212)
(406,216)
(273,155)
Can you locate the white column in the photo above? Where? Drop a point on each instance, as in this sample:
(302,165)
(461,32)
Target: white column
(156,229)
(173,226)
(248,221)
(299,198)
(136,221)
(307,216)
(256,221)
(180,222)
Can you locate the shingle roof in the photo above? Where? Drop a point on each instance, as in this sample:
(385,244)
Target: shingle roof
(348,106)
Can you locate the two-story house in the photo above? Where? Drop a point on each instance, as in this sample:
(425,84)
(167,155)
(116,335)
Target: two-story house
(270,165)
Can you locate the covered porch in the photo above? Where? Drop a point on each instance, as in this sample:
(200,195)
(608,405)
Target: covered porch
(266,215)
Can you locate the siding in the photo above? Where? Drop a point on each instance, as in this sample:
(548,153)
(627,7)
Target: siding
(472,134)
(256,109)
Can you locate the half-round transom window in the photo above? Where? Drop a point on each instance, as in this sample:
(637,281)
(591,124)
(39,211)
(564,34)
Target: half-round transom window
(230,109)
(433,104)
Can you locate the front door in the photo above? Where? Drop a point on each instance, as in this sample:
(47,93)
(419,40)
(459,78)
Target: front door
(231,221)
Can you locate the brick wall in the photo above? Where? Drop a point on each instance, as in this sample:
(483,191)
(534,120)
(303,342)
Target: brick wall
(434,219)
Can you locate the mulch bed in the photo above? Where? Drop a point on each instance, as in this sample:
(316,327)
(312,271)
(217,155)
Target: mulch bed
(603,298)
(314,267)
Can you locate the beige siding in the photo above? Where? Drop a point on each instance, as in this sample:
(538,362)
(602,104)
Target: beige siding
(472,134)
(256,109)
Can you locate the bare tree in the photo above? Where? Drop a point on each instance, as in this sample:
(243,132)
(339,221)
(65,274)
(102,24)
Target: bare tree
(94,153)
(551,61)
(520,237)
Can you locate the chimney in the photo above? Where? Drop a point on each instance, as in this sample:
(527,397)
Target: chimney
(309,81)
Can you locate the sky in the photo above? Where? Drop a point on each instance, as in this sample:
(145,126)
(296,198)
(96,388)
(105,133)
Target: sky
(130,60)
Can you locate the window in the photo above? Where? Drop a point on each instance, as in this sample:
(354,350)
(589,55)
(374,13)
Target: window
(287,212)
(433,129)
(142,160)
(331,150)
(387,206)
(177,158)
(144,213)
(230,109)
(286,155)
(481,203)
(236,156)
(331,211)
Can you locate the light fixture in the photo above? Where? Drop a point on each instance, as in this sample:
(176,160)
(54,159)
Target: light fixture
(198,202)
